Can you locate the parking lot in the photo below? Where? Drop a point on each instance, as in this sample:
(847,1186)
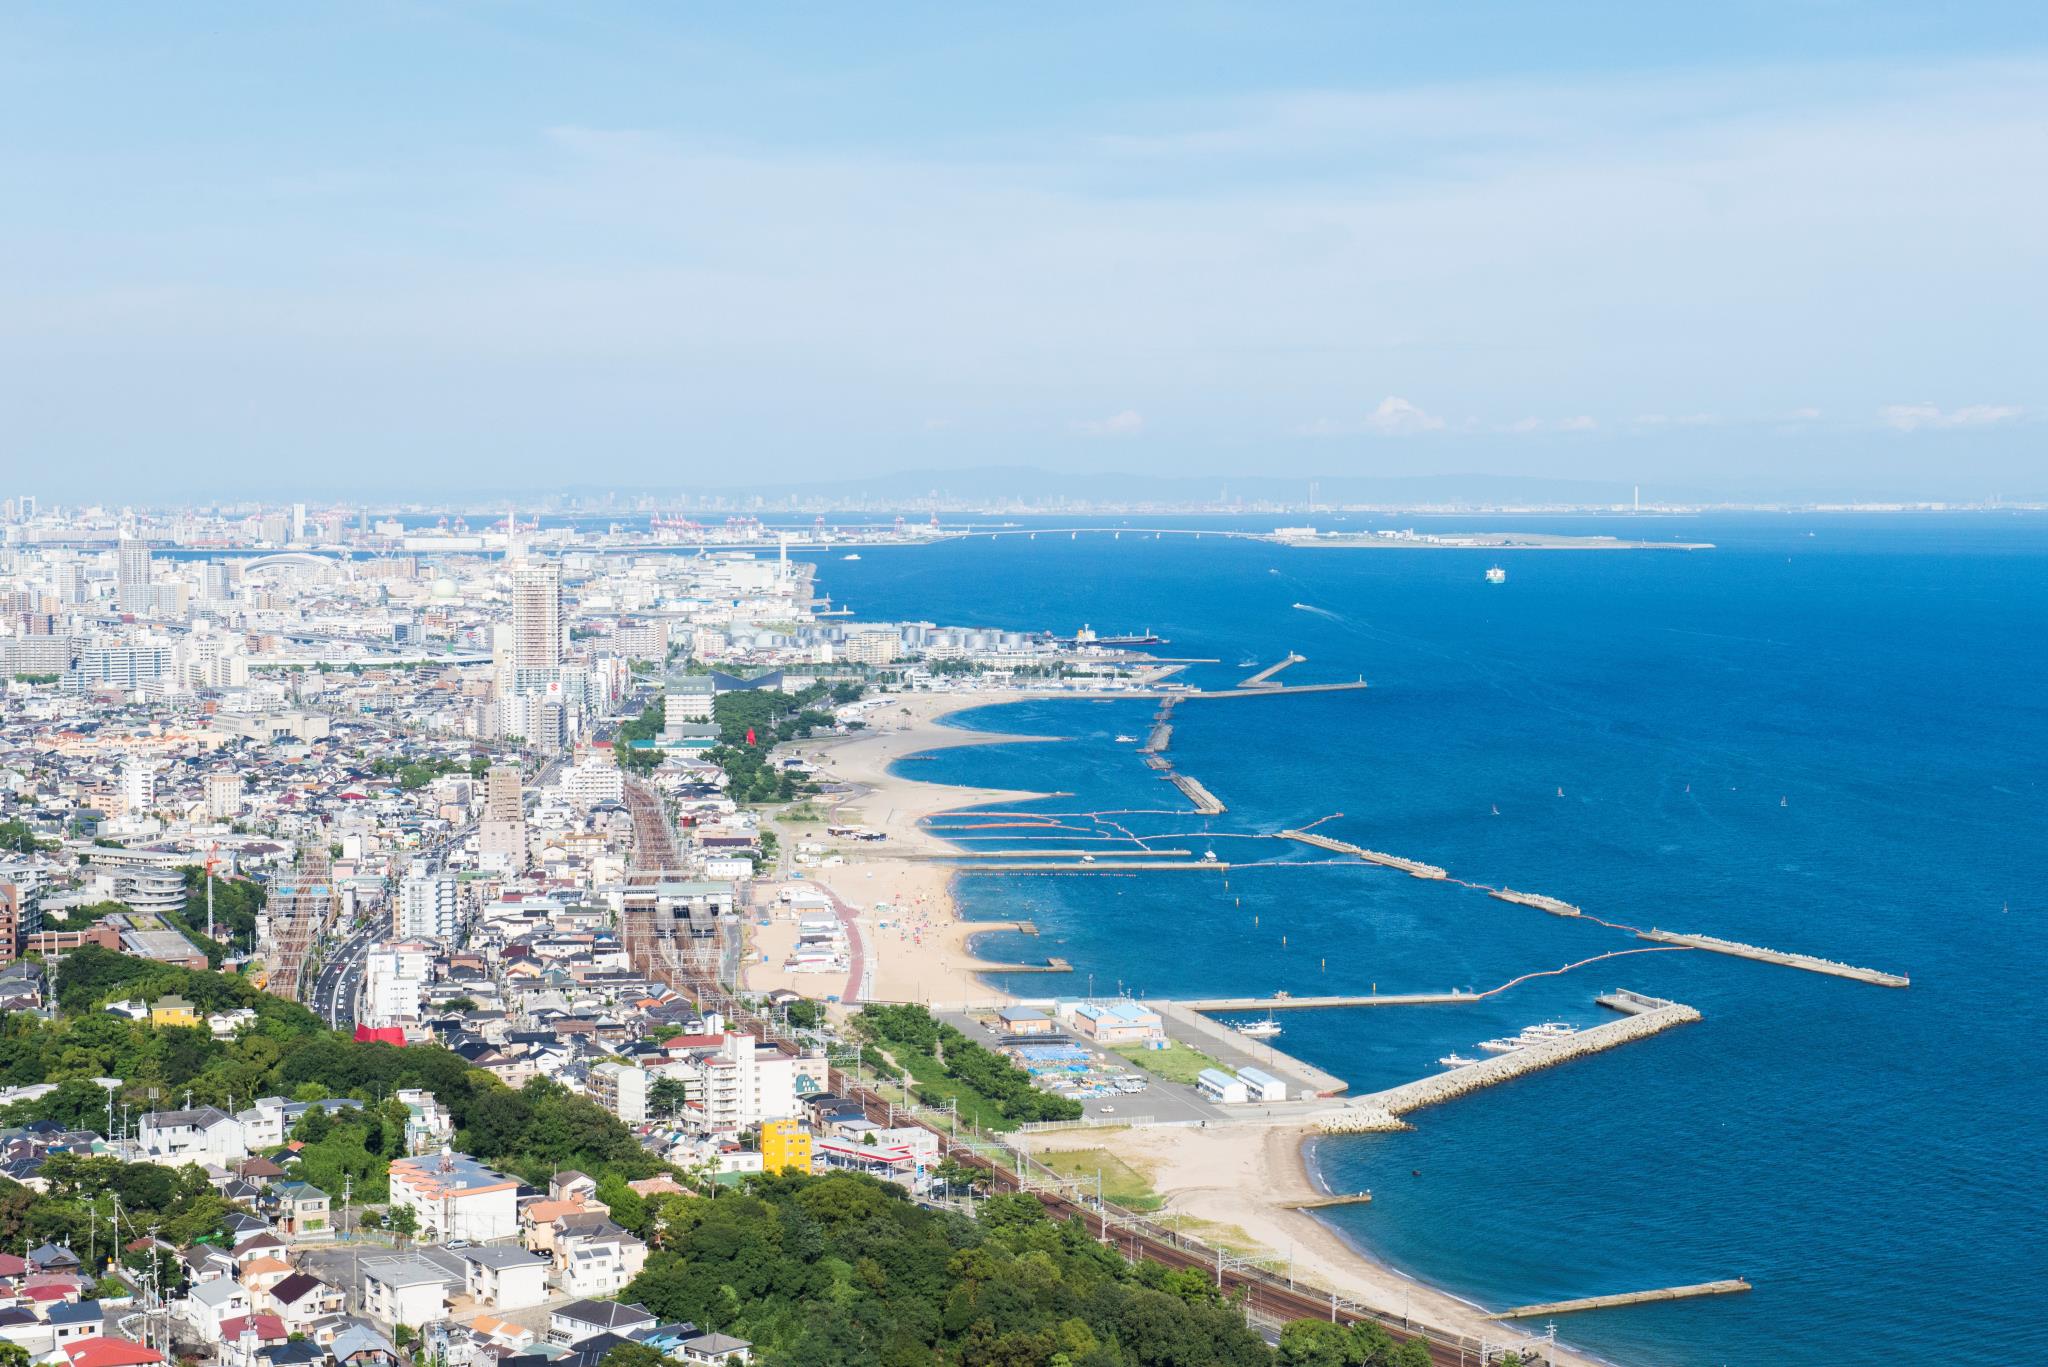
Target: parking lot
(1159,1100)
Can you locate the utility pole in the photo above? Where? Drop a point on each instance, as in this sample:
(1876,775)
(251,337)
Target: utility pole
(347,1187)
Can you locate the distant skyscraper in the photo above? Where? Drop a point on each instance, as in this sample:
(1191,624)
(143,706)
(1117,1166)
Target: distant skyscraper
(131,576)
(502,793)
(536,620)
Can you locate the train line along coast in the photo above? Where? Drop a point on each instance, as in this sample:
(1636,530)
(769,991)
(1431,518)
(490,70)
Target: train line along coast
(1245,1173)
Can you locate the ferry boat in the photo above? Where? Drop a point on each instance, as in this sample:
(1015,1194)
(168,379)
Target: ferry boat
(1455,1060)
(849,557)
(1496,575)
(1265,1029)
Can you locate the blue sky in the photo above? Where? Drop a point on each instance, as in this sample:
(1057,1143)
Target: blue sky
(391,247)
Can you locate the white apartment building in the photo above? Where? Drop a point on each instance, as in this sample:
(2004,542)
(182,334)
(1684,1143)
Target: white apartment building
(223,795)
(392,980)
(429,906)
(745,1085)
(592,782)
(205,1135)
(453,1196)
(621,1089)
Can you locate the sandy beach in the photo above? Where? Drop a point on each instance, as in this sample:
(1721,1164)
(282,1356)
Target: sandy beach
(1237,1177)
(914,941)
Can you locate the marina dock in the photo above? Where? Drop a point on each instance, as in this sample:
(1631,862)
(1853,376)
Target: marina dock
(1775,956)
(1553,905)
(1186,1023)
(1666,1293)
(1630,1003)
(1382,1111)
(1414,868)
(1260,679)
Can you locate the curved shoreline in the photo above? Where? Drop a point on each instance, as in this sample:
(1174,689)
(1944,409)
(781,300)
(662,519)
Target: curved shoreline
(1238,1175)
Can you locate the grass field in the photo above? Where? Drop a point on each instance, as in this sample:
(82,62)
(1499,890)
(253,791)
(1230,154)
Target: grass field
(1121,1183)
(1176,1062)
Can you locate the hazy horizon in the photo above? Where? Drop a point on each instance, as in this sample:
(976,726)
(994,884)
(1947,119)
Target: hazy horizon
(1759,252)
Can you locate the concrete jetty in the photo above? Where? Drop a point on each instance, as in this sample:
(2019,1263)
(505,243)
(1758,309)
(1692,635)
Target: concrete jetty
(1357,1198)
(1206,802)
(1381,1111)
(1553,905)
(1273,690)
(1263,677)
(1414,868)
(1630,1003)
(1052,965)
(1054,854)
(1777,956)
(1284,1002)
(1662,1293)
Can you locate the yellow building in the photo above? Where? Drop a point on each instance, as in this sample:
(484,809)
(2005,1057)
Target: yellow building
(785,1146)
(173,1010)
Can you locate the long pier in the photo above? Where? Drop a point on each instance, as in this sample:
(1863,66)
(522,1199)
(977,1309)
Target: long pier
(1777,956)
(1051,965)
(1664,1293)
(1259,680)
(1274,690)
(953,858)
(1414,868)
(1381,1111)
(1287,1003)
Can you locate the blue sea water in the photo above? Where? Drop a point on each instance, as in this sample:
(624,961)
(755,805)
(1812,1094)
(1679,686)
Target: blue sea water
(1828,734)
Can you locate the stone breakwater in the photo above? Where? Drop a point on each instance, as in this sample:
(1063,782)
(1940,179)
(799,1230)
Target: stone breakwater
(1382,1111)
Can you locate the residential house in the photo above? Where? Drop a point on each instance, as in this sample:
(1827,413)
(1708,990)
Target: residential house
(301,1208)
(505,1278)
(301,1300)
(586,1319)
(110,1352)
(361,1346)
(172,1009)
(404,1290)
(714,1349)
(595,1260)
(209,1305)
(197,1136)
(73,1321)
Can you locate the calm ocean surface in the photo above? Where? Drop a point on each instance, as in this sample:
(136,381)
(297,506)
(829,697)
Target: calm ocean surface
(1829,734)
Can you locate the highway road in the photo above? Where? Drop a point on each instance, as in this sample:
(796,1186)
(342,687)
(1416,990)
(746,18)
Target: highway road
(339,987)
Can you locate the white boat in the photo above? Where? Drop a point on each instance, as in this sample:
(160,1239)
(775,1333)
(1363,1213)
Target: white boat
(1549,1030)
(1503,1046)
(1496,575)
(1252,663)
(1455,1060)
(1126,740)
(1208,856)
(1265,1029)
(849,557)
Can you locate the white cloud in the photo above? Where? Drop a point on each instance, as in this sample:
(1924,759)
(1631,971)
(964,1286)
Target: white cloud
(1915,417)
(1804,415)
(1525,426)
(1128,423)
(1394,417)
